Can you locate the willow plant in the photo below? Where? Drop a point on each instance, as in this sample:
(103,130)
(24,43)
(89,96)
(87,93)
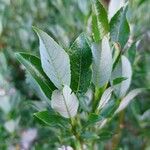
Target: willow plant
(87,84)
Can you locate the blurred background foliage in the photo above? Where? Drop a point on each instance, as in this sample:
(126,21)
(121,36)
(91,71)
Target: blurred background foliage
(64,20)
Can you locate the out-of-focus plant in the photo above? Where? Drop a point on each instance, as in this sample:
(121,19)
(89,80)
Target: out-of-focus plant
(88,83)
(17,17)
(134,127)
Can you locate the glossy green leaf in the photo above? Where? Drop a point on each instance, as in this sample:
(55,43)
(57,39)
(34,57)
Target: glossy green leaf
(102,63)
(102,19)
(55,61)
(33,66)
(50,118)
(93,118)
(95,30)
(118,80)
(119,28)
(80,60)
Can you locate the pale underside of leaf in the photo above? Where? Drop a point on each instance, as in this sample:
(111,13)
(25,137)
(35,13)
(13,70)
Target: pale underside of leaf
(102,63)
(65,102)
(55,61)
(123,69)
(114,6)
(105,98)
(127,99)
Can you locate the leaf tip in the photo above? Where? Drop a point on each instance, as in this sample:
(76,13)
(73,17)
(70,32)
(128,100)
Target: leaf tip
(36,29)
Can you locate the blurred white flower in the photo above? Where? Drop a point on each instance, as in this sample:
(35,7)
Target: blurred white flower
(2,92)
(65,148)
(28,136)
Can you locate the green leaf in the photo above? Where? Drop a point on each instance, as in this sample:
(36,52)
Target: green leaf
(102,63)
(95,30)
(123,69)
(33,66)
(55,61)
(102,19)
(80,60)
(109,109)
(119,28)
(88,135)
(105,113)
(93,118)
(83,102)
(118,80)
(105,135)
(131,52)
(50,118)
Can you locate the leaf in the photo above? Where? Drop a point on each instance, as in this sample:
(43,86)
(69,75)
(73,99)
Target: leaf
(50,119)
(105,113)
(83,101)
(95,30)
(88,135)
(131,52)
(118,80)
(102,63)
(119,28)
(114,6)
(123,69)
(105,135)
(109,109)
(80,60)
(102,20)
(55,61)
(93,118)
(127,99)
(33,65)
(105,98)
(65,102)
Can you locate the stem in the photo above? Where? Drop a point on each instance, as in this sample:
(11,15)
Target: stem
(79,144)
(116,139)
